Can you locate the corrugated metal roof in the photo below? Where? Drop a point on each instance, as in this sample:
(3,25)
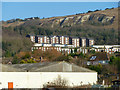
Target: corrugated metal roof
(48,67)
(8,68)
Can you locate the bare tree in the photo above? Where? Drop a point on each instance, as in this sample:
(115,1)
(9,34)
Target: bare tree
(58,82)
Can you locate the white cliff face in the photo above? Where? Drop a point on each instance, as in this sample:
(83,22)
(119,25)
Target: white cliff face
(74,20)
(41,24)
(78,18)
(52,25)
(68,18)
(85,18)
(107,19)
(57,21)
(60,20)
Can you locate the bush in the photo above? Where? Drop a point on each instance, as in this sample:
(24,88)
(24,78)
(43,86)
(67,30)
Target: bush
(8,54)
(115,61)
(75,50)
(28,61)
(62,58)
(27,55)
(98,68)
(23,62)
(15,60)
(58,82)
(92,51)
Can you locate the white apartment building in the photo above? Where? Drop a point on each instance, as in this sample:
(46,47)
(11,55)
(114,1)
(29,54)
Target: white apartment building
(106,48)
(76,41)
(83,42)
(59,47)
(54,39)
(90,42)
(32,37)
(43,39)
(64,40)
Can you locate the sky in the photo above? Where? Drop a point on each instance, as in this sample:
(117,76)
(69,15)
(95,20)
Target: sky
(13,10)
(60,0)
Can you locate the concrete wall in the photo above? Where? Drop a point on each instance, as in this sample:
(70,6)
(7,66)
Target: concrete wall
(37,79)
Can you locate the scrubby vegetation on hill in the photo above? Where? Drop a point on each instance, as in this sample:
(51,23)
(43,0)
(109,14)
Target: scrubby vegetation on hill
(100,25)
(13,42)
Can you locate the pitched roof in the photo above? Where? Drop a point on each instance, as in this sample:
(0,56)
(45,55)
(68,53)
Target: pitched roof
(50,67)
(8,68)
(83,37)
(99,56)
(90,38)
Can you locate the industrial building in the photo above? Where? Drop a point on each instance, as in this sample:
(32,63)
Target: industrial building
(37,75)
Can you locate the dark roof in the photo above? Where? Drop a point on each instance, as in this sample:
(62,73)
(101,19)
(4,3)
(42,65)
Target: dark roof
(116,80)
(90,38)
(64,36)
(49,67)
(74,37)
(32,34)
(42,36)
(53,36)
(83,37)
(99,56)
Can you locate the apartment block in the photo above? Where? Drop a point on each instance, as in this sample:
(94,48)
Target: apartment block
(76,41)
(65,40)
(54,40)
(83,42)
(33,38)
(90,42)
(43,39)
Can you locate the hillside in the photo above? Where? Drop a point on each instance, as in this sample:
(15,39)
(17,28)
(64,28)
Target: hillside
(102,25)
(106,19)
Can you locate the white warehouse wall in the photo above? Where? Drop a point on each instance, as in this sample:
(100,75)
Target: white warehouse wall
(37,79)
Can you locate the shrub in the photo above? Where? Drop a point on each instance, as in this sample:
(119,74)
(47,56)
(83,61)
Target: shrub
(28,61)
(62,58)
(58,82)
(98,68)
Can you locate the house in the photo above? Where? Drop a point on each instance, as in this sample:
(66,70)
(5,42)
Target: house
(97,58)
(38,75)
(110,49)
(59,47)
(116,83)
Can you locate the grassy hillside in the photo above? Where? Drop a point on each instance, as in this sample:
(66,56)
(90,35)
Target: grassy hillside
(13,42)
(100,25)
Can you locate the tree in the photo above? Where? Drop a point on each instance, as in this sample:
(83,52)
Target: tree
(8,54)
(27,55)
(23,62)
(98,68)
(58,82)
(81,54)
(62,58)
(92,51)
(28,61)
(75,50)
(71,51)
(115,61)
(15,60)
